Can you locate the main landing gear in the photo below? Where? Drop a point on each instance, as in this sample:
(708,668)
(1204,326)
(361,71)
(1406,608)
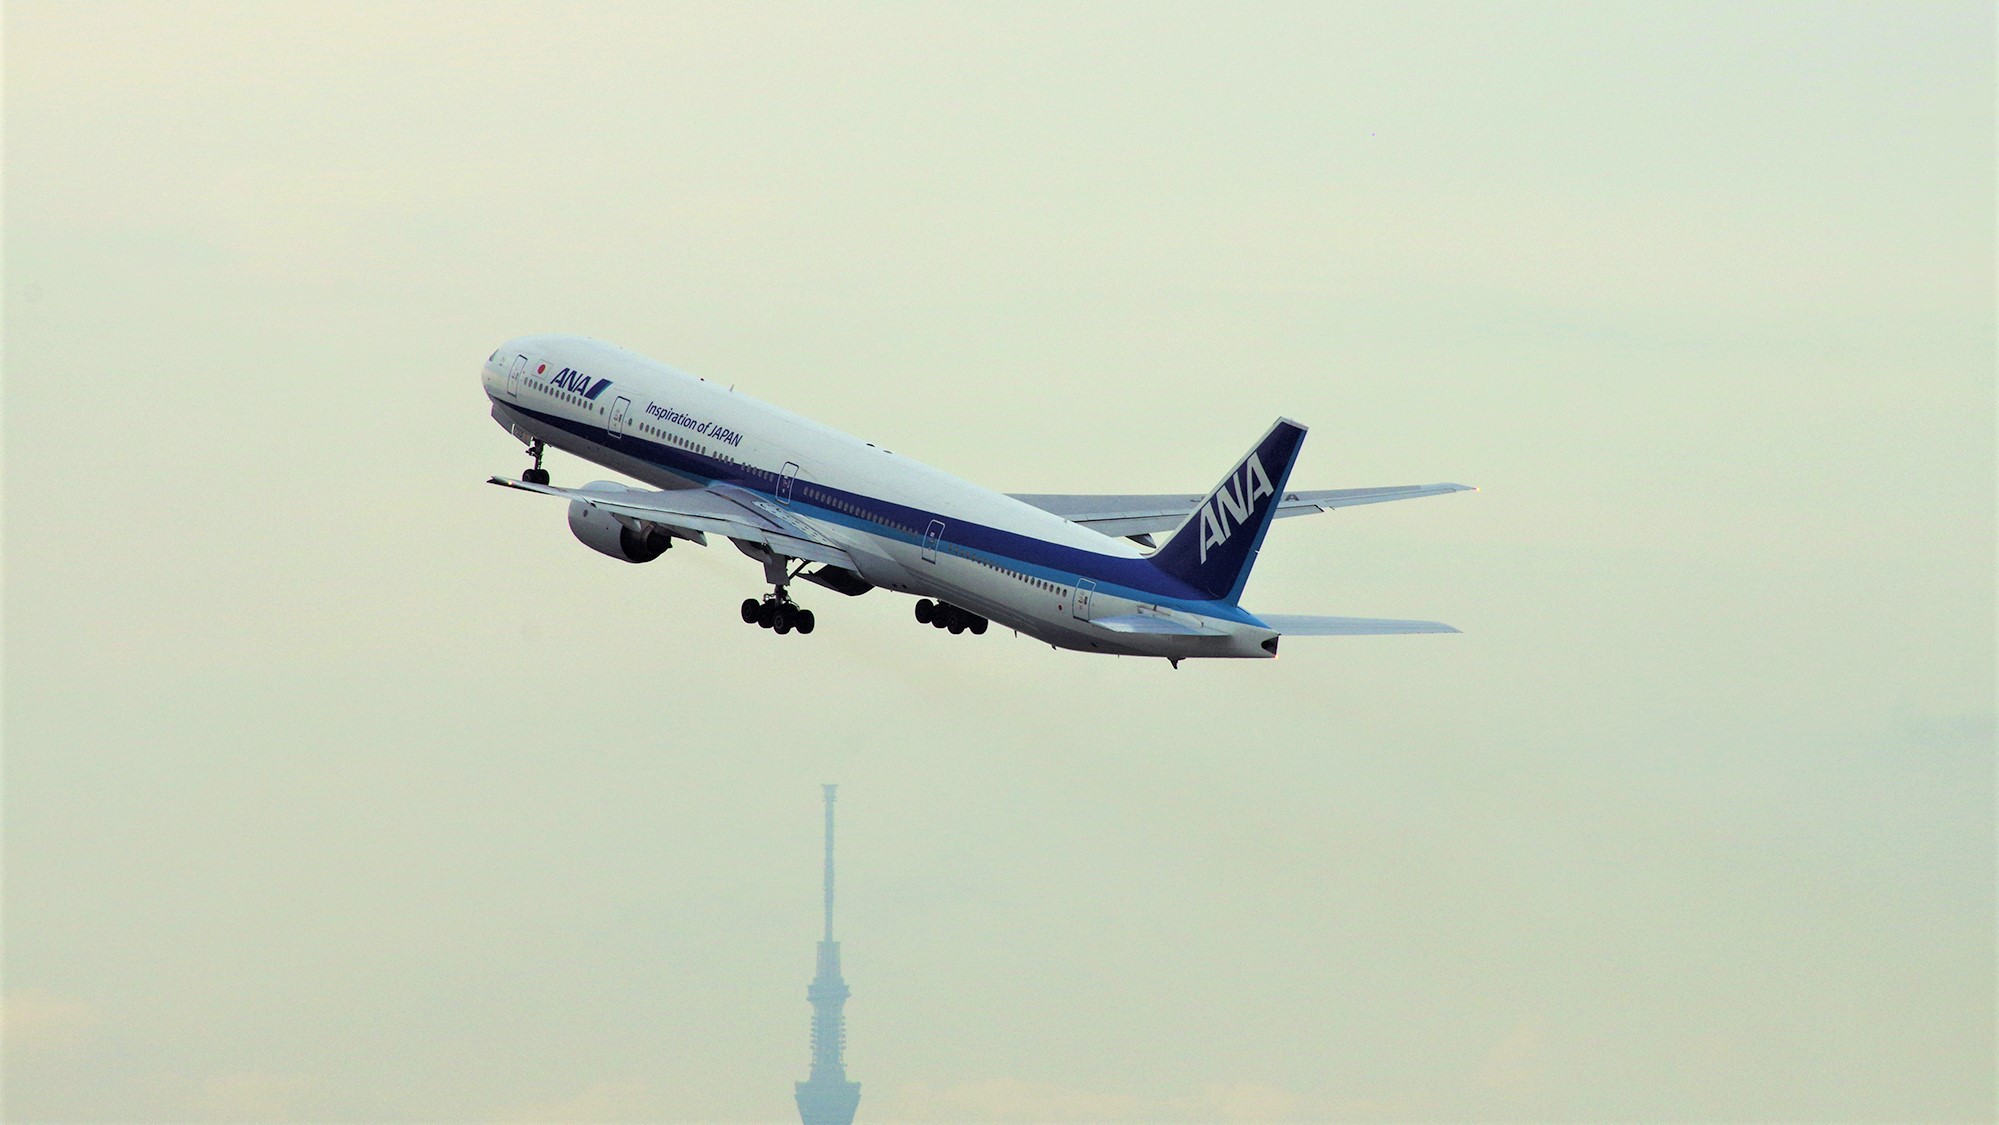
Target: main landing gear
(942,616)
(536,475)
(778,613)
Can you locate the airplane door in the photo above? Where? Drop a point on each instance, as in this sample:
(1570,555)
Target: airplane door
(784,481)
(621,415)
(514,376)
(930,540)
(1079,602)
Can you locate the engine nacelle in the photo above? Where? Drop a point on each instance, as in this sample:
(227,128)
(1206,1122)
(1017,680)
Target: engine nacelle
(605,534)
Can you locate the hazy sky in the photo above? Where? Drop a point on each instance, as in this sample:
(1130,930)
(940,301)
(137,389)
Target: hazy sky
(340,786)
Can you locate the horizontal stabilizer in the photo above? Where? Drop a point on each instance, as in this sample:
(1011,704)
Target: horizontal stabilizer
(1139,515)
(1306,625)
(1156,625)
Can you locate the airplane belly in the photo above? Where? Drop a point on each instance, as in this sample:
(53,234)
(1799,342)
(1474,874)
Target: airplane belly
(874,557)
(1044,616)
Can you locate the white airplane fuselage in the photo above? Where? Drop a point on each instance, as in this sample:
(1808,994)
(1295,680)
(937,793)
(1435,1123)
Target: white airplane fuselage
(907,527)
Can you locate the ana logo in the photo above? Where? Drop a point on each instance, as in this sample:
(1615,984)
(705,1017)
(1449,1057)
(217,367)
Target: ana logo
(1230,507)
(570,379)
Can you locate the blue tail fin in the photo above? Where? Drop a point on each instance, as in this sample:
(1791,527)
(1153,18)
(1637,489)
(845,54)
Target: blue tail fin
(1215,548)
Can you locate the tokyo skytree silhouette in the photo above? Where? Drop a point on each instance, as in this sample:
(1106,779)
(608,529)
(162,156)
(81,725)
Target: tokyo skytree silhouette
(827,1098)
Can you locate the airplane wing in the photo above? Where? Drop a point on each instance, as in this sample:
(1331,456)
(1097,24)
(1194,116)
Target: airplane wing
(1306,625)
(1142,515)
(694,512)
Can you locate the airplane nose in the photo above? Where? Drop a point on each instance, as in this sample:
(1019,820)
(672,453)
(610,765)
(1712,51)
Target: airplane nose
(509,360)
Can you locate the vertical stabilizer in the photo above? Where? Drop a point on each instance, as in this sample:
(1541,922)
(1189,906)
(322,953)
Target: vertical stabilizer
(1215,548)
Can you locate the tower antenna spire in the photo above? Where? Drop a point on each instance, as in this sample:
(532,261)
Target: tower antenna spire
(829,790)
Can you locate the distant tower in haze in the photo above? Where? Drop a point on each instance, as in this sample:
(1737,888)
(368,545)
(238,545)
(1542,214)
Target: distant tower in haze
(827,1098)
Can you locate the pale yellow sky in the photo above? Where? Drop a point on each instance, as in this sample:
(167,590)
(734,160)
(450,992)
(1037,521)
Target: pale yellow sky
(341,787)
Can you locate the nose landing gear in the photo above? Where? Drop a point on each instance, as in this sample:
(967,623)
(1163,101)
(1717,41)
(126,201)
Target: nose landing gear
(536,475)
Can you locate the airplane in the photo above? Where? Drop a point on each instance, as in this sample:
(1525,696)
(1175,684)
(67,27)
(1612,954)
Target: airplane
(1080,572)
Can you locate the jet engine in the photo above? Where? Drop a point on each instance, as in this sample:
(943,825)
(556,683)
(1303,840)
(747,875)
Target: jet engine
(606,534)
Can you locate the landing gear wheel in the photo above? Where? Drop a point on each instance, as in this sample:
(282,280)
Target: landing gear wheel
(956,626)
(778,613)
(535,476)
(924,610)
(978,626)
